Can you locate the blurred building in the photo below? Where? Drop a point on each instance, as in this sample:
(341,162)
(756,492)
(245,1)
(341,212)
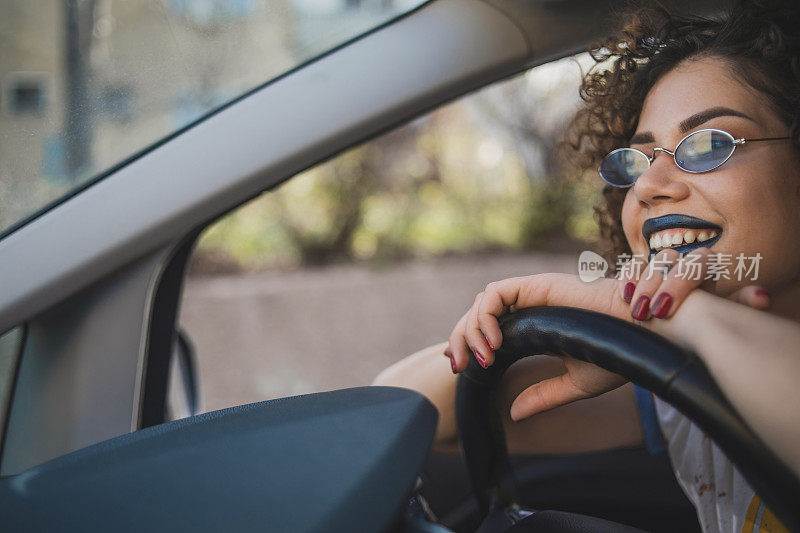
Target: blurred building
(87,83)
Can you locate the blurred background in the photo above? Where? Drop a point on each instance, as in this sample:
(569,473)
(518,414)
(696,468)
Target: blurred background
(345,268)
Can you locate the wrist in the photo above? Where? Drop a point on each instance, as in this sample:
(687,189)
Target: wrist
(682,327)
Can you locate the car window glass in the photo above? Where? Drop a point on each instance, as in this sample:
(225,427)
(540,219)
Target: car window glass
(10,344)
(86,84)
(376,253)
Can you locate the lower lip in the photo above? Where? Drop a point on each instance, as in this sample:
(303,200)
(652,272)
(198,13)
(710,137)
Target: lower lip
(689,247)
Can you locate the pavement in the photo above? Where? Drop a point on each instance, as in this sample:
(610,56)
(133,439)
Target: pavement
(275,334)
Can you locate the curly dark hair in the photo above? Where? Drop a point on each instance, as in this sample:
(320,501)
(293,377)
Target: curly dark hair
(758,40)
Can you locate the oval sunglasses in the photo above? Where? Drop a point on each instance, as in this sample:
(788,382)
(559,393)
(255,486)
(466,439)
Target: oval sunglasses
(700,151)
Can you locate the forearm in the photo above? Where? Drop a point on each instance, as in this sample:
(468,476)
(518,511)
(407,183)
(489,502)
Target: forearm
(608,421)
(754,358)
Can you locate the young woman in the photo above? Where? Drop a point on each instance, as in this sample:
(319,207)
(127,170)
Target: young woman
(695,128)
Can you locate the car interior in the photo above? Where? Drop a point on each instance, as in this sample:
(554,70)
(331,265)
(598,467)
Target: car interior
(90,289)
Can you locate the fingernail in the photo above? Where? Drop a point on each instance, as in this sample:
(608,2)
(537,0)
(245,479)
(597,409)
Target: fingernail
(764,294)
(641,308)
(453,365)
(489,343)
(630,288)
(661,305)
(480,358)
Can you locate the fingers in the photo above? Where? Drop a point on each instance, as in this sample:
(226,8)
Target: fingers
(753,296)
(475,339)
(449,354)
(478,332)
(467,339)
(687,274)
(457,344)
(629,275)
(545,395)
(482,329)
(669,278)
(652,277)
(666,282)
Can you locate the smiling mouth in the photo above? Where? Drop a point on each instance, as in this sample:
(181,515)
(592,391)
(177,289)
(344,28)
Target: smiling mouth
(682,233)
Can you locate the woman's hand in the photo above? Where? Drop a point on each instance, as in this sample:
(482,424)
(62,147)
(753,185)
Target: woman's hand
(666,281)
(656,289)
(478,333)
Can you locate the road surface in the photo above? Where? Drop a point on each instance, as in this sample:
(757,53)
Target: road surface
(275,334)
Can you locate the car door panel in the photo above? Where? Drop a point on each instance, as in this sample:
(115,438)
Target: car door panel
(79,379)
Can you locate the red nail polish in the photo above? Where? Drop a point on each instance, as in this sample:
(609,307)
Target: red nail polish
(480,358)
(763,294)
(661,305)
(489,342)
(641,308)
(630,288)
(453,365)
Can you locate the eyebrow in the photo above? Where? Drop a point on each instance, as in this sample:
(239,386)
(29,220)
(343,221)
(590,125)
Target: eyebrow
(692,122)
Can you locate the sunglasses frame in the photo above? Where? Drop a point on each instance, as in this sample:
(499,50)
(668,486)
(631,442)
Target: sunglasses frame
(734,143)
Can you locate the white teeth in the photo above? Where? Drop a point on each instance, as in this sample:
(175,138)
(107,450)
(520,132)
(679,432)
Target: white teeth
(666,240)
(655,242)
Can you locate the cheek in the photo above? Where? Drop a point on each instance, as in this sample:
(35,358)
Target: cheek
(761,214)
(773,231)
(764,198)
(762,220)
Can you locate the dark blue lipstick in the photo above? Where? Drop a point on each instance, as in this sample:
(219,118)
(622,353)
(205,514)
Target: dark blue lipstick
(652,225)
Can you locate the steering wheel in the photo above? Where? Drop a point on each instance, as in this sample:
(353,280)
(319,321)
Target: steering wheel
(649,360)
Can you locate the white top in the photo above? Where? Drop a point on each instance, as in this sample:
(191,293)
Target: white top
(724,501)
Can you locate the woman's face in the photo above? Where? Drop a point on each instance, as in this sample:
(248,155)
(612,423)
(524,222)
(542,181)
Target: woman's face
(752,201)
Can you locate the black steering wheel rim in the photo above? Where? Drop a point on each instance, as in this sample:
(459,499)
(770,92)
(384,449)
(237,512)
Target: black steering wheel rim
(649,360)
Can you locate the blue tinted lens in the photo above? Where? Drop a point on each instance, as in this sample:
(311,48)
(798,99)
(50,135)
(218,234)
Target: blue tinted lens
(704,150)
(621,167)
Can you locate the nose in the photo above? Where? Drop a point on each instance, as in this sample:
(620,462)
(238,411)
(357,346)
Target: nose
(662,182)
